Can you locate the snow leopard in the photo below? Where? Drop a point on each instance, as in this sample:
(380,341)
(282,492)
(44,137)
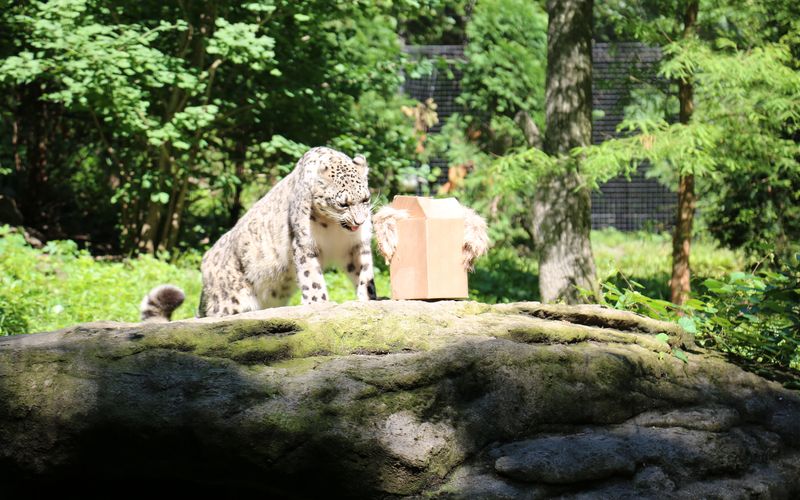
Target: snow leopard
(315,217)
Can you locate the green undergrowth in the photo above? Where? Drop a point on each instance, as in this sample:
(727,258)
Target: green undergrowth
(60,285)
(506,275)
(752,317)
(646,258)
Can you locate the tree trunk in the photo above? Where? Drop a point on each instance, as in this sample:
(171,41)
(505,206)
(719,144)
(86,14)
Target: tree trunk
(169,222)
(15,139)
(150,234)
(31,140)
(177,216)
(562,206)
(680,284)
(236,206)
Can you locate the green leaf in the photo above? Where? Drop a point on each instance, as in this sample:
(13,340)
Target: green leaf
(680,355)
(688,324)
(161,197)
(663,337)
(259,7)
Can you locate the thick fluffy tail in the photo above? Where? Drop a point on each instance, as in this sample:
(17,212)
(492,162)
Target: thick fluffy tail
(476,237)
(385,225)
(157,306)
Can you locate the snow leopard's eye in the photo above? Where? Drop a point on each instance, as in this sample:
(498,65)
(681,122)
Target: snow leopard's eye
(365,200)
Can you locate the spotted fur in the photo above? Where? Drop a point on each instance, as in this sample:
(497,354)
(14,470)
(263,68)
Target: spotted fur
(157,306)
(317,216)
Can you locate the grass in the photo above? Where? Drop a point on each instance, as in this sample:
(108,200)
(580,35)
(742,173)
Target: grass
(58,286)
(340,288)
(644,258)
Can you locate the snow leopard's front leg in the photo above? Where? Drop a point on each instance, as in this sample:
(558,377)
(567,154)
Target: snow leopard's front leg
(360,270)
(306,254)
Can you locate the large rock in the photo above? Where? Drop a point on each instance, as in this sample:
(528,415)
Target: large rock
(392,399)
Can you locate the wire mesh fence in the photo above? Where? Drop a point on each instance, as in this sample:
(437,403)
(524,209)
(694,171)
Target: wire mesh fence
(639,202)
(442,84)
(625,204)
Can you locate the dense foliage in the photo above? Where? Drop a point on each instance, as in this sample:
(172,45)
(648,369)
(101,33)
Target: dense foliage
(150,117)
(61,285)
(742,142)
(502,94)
(746,114)
(503,78)
(754,317)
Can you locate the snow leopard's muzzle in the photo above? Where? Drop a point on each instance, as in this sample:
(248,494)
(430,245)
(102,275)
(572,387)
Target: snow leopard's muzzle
(355,217)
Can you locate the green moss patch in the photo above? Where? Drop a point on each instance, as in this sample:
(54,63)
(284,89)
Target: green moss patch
(238,330)
(250,342)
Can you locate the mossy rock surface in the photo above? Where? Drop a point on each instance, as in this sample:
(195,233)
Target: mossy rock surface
(393,399)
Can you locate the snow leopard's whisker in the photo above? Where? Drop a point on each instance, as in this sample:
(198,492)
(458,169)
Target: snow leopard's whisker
(373,201)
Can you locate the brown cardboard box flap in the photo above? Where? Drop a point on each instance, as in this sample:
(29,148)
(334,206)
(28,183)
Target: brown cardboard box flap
(429,208)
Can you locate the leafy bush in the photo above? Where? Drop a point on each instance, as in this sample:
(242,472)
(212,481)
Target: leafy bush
(12,317)
(756,209)
(503,276)
(161,113)
(754,317)
(505,72)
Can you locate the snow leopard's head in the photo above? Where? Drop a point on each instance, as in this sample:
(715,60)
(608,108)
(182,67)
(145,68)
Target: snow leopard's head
(341,193)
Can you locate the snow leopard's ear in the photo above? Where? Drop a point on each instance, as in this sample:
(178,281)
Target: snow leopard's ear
(361,163)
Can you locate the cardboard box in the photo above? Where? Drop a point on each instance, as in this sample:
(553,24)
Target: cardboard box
(428,261)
